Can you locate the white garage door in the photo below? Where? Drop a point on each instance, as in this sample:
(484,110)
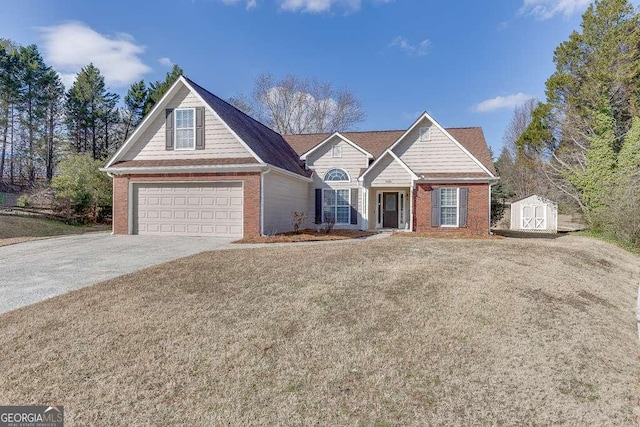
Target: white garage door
(191,209)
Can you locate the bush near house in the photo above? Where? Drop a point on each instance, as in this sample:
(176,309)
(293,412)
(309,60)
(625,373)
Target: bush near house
(81,188)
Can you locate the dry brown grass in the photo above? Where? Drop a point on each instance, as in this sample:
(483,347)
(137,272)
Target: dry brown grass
(20,228)
(448,235)
(308,235)
(399,331)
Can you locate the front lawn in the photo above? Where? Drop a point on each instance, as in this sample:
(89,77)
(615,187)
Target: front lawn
(395,331)
(22,228)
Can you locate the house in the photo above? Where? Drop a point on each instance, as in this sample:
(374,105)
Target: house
(534,214)
(198,166)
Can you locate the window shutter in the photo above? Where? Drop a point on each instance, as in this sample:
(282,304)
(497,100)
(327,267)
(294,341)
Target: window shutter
(168,125)
(318,206)
(200,128)
(435,207)
(462,207)
(354,206)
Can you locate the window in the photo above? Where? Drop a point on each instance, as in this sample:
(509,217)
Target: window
(425,133)
(336,205)
(185,128)
(336,175)
(449,207)
(336,151)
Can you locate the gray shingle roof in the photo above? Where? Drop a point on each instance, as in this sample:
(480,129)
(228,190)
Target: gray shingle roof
(269,145)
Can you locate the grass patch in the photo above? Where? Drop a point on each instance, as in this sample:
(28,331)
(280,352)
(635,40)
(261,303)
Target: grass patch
(396,331)
(448,235)
(308,235)
(607,237)
(21,228)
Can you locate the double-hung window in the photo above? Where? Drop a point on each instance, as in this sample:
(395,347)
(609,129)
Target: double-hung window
(449,207)
(336,206)
(185,128)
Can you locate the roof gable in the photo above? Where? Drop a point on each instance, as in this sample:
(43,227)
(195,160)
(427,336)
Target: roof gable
(267,144)
(330,138)
(425,117)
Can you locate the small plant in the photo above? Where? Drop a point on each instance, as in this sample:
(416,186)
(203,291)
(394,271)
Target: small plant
(331,222)
(298,219)
(23,201)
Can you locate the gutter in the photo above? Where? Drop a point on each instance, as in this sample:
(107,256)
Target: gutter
(185,169)
(489,180)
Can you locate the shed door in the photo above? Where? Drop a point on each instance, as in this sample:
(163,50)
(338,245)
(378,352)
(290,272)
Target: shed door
(189,209)
(534,217)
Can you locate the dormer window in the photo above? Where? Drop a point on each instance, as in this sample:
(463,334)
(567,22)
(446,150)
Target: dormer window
(185,128)
(336,151)
(425,133)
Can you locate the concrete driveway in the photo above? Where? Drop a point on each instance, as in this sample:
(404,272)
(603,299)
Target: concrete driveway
(40,269)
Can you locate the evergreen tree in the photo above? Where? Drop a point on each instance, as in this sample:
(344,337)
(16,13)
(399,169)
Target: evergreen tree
(134,103)
(90,113)
(9,86)
(160,87)
(33,75)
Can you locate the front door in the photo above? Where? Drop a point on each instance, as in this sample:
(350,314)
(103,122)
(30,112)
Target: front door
(390,210)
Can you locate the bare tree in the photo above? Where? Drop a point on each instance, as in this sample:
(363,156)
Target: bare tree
(293,105)
(521,172)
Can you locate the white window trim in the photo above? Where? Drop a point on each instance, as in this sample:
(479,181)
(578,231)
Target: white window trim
(324,177)
(175,130)
(336,150)
(457,225)
(335,190)
(425,133)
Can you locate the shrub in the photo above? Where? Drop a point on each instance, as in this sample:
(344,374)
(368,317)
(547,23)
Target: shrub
(23,201)
(298,219)
(331,221)
(82,186)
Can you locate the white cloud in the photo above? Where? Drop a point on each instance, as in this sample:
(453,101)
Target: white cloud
(418,49)
(70,46)
(545,9)
(249,4)
(318,6)
(499,102)
(165,61)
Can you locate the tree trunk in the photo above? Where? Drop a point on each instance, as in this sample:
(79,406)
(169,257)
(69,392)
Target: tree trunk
(11,167)
(50,143)
(4,144)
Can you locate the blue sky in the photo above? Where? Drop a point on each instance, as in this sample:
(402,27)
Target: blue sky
(468,63)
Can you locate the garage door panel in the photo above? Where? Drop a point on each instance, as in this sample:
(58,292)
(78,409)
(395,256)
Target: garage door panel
(209,209)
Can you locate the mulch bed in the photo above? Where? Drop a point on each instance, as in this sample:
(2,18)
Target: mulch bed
(308,235)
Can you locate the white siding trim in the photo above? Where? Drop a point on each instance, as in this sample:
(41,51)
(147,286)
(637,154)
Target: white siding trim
(186,169)
(339,135)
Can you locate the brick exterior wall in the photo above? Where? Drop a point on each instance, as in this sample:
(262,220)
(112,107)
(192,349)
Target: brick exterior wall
(478,208)
(251,186)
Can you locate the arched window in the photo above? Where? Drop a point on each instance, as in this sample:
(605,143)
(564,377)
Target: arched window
(336,175)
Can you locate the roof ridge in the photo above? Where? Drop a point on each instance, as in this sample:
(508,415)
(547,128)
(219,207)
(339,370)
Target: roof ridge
(231,105)
(371,131)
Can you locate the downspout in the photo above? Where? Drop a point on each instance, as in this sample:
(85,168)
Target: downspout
(113,191)
(490,185)
(262,174)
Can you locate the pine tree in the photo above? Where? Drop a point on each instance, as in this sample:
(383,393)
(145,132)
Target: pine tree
(134,103)
(159,88)
(90,113)
(9,86)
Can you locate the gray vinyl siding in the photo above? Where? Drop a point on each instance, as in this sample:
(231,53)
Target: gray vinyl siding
(388,173)
(438,155)
(219,141)
(284,195)
(352,161)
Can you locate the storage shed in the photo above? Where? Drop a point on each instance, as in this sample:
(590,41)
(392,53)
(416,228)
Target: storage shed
(534,214)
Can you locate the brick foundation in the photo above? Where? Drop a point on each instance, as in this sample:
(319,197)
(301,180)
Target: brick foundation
(251,186)
(478,209)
